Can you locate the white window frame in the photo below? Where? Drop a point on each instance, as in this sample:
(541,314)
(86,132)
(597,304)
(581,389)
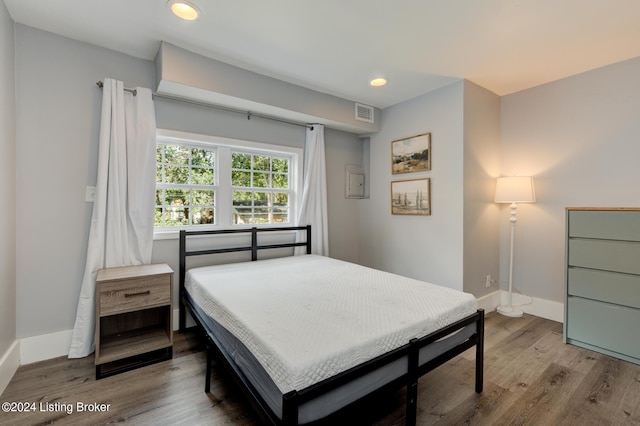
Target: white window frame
(222,177)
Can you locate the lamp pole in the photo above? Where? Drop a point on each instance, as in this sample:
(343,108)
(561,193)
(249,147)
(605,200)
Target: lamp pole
(509,310)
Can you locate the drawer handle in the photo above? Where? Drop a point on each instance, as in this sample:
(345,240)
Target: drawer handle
(142,293)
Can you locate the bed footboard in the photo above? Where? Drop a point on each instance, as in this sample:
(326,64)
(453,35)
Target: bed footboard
(293,400)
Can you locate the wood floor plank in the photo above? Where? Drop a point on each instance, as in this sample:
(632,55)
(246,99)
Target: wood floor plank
(475,409)
(608,395)
(531,378)
(545,399)
(630,403)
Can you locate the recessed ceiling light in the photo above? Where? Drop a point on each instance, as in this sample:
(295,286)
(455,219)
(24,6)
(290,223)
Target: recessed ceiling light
(184,10)
(377,82)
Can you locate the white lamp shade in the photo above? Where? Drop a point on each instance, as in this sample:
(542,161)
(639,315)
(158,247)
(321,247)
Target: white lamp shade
(515,189)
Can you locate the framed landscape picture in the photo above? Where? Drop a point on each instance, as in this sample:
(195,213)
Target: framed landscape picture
(412,154)
(411,197)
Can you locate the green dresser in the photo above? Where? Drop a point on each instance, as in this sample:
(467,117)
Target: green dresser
(602,306)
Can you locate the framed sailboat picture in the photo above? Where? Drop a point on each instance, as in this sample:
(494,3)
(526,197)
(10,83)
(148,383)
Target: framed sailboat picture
(411,197)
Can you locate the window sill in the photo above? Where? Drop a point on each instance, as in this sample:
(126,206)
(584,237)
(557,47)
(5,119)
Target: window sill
(166,235)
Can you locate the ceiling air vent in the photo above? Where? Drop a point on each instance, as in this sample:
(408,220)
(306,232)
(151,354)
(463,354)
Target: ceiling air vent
(364,113)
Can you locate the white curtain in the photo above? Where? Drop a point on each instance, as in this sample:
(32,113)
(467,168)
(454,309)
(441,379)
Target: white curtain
(121,232)
(313,209)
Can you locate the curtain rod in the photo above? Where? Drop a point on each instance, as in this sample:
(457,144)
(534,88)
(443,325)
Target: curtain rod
(100,84)
(249,114)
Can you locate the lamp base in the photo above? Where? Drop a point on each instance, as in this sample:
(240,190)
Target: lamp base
(509,311)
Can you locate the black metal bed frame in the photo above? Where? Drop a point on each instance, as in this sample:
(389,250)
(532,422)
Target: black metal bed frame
(291,401)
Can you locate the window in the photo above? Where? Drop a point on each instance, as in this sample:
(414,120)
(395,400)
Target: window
(260,185)
(209,182)
(185,185)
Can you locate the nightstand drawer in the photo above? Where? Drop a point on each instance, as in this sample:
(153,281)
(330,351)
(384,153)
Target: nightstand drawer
(134,294)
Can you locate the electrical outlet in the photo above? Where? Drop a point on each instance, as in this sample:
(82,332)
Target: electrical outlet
(90,195)
(487,282)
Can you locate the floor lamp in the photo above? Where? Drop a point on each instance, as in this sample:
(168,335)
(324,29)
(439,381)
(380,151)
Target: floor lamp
(513,190)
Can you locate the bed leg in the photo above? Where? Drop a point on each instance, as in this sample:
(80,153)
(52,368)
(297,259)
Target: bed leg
(412,385)
(480,352)
(412,404)
(207,380)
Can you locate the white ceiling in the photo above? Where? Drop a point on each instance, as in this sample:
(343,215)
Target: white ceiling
(336,46)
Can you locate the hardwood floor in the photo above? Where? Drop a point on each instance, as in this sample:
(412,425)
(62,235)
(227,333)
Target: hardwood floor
(531,378)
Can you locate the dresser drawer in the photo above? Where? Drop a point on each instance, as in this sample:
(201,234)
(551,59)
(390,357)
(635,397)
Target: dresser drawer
(604,325)
(134,294)
(617,256)
(612,287)
(608,225)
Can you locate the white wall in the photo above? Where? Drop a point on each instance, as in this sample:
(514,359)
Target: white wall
(579,138)
(7,184)
(429,248)
(58,120)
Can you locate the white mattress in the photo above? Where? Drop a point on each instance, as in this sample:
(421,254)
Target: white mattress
(307,318)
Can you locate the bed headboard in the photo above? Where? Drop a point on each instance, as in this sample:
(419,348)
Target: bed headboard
(253,248)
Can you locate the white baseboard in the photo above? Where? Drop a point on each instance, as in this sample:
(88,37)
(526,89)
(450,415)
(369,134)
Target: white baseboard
(489,302)
(530,305)
(539,307)
(45,346)
(176,320)
(9,364)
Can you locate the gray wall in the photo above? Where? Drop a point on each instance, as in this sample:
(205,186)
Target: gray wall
(58,113)
(184,73)
(579,138)
(342,149)
(457,246)
(7,183)
(481,167)
(58,121)
(429,248)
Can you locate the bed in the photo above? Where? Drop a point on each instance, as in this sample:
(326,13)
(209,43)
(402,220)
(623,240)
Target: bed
(308,336)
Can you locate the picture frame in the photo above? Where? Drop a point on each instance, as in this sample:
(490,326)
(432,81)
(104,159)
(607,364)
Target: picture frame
(411,197)
(412,154)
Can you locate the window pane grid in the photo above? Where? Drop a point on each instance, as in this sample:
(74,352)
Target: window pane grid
(185,190)
(260,186)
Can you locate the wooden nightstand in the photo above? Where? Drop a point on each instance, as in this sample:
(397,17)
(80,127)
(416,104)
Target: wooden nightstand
(134,317)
